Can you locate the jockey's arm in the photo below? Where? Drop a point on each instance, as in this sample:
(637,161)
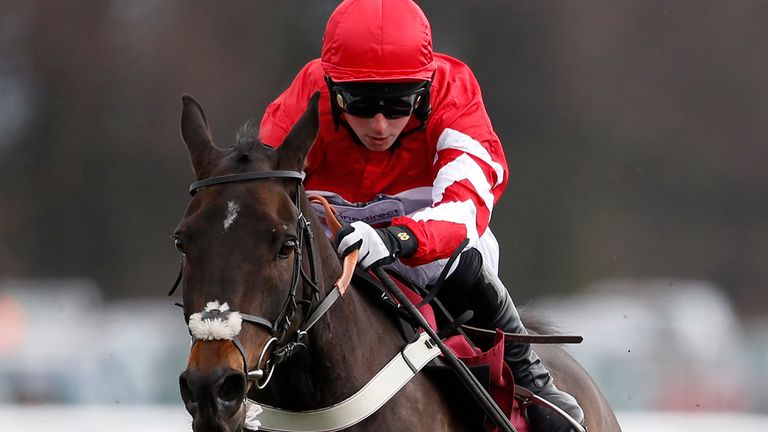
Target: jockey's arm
(469,180)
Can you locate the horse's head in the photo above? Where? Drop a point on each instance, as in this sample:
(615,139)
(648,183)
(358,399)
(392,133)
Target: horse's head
(240,238)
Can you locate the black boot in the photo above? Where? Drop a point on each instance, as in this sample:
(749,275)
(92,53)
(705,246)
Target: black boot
(473,286)
(527,368)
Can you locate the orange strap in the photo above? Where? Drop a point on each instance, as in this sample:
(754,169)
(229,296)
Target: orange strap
(350,261)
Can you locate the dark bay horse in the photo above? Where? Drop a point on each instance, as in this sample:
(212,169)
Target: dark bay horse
(246,239)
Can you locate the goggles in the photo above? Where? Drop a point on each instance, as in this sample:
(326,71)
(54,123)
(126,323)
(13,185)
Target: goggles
(368,105)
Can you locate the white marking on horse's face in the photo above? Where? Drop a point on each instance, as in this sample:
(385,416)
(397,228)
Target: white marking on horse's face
(232,210)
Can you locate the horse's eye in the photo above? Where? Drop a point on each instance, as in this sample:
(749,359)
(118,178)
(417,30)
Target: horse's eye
(178,243)
(286,249)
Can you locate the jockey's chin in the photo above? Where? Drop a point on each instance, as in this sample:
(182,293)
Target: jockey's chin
(377,133)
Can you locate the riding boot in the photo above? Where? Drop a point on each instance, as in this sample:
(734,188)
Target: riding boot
(493,300)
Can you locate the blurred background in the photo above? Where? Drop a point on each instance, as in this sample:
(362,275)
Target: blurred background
(636,212)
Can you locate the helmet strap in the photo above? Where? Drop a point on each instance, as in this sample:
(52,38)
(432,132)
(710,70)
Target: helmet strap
(424,108)
(335,109)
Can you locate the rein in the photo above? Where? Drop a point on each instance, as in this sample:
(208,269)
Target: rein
(277,352)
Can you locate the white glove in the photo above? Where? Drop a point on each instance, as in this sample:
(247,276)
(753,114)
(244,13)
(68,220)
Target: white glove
(377,246)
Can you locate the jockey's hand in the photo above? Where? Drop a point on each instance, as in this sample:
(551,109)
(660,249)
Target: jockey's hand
(377,246)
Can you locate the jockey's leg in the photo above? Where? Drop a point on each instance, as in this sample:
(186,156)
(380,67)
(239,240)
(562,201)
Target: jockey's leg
(477,287)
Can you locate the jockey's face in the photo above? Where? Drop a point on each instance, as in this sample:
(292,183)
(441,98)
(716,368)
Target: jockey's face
(377,133)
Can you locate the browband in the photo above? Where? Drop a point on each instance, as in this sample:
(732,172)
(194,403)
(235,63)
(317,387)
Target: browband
(194,187)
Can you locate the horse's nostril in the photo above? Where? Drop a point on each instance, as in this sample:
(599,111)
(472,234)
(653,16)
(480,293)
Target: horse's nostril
(187,394)
(232,388)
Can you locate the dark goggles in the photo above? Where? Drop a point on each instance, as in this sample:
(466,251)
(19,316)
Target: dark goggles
(367,106)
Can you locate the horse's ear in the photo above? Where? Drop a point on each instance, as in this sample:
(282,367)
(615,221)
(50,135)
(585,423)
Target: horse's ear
(196,135)
(293,151)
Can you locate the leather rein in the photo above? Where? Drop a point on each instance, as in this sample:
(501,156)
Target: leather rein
(275,351)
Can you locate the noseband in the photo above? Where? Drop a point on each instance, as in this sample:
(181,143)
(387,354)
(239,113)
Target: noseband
(276,349)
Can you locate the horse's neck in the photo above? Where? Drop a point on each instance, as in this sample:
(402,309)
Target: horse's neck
(347,346)
(352,342)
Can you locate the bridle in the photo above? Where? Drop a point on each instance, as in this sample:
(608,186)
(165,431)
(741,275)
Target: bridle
(280,346)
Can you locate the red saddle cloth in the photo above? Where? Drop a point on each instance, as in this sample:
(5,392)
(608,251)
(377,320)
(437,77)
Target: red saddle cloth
(502,383)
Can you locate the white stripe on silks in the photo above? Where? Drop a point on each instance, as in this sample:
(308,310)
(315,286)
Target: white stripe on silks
(463,212)
(453,139)
(463,167)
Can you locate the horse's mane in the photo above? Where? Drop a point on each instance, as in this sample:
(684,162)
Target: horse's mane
(248,134)
(247,138)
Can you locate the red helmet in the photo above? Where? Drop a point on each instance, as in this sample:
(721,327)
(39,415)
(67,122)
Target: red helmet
(378,40)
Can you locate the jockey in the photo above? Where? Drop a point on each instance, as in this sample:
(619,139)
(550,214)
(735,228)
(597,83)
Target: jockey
(407,155)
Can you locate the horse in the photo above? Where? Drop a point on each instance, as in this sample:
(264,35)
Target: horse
(256,263)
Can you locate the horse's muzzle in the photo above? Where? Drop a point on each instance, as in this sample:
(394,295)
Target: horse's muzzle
(215,398)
